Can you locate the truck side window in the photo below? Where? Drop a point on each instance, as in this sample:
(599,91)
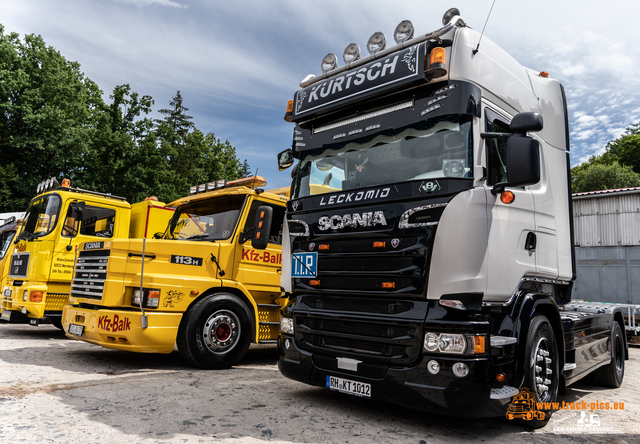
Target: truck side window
(97,221)
(496,148)
(275,236)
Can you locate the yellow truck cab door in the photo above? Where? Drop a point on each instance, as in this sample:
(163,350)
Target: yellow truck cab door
(259,270)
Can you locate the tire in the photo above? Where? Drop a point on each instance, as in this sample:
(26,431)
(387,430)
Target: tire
(541,361)
(57,322)
(612,374)
(215,332)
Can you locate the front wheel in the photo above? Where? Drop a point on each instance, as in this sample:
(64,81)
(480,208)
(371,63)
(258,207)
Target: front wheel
(215,332)
(541,370)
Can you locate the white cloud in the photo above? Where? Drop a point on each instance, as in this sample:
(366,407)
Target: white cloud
(143,3)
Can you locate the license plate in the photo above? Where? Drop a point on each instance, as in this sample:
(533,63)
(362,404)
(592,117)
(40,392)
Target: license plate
(6,315)
(76,330)
(348,386)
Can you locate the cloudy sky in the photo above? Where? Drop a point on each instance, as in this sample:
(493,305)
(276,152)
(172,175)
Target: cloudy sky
(237,62)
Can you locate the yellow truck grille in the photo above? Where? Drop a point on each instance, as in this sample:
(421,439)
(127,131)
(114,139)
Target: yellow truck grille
(269,322)
(56,301)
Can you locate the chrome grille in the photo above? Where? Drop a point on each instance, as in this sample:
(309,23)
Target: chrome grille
(90,274)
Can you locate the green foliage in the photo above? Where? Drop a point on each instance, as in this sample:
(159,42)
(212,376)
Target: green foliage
(54,123)
(598,176)
(617,167)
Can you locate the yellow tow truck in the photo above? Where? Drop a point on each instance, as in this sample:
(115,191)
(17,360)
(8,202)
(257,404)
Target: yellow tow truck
(58,219)
(8,231)
(211,284)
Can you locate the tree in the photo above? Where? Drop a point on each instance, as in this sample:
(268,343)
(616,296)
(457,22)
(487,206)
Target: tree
(598,176)
(245,169)
(625,149)
(48,112)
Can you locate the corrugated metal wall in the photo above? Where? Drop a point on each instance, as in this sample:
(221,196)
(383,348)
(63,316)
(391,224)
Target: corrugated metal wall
(608,274)
(607,239)
(607,220)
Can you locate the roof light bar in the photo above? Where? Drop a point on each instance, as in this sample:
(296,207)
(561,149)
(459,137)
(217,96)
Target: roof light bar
(253,182)
(380,112)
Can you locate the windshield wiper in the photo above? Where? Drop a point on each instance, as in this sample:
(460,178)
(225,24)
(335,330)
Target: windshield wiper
(199,236)
(26,235)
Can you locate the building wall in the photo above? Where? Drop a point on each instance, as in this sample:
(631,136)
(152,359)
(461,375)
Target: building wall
(607,245)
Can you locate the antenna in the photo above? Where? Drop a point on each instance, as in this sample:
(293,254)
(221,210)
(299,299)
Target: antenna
(475,51)
(255,177)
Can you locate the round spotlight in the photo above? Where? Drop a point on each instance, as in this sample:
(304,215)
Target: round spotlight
(377,42)
(47,184)
(403,32)
(351,53)
(433,367)
(329,62)
(460,369)
(451,13)
(39,188)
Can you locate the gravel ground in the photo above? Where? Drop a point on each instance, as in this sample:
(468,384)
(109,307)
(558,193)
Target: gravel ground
(56,389)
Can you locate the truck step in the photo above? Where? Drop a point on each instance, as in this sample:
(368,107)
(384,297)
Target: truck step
(569,366)
(504,392)
(269,305)
(269,323)
(268,341)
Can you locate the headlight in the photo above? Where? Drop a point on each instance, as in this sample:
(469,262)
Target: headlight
(150,298)
(25,295)
(286,325)
(454,343)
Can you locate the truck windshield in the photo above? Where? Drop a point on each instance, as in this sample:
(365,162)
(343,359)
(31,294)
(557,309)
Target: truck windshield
(435,148)
(5,242)
(212,219)
(41,216)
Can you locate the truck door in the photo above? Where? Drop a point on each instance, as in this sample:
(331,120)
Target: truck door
(98,225)
(259,270)
(509,224)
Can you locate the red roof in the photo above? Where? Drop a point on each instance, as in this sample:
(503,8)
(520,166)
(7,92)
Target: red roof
(618,190)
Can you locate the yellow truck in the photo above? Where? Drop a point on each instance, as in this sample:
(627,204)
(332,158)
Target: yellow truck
(8,231)
(211,284)
(58,219)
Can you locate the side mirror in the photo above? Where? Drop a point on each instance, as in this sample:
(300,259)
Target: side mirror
(523,161)
(78,211)
(523,122)
(285,159)
(264,217)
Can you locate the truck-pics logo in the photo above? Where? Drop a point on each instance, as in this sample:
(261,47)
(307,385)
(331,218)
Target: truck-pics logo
(524,406)
(356,197)
(369,219)
(249,254)
(115,324)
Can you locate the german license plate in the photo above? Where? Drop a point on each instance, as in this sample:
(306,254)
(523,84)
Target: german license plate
(348,386)
(6,315)
(76,330)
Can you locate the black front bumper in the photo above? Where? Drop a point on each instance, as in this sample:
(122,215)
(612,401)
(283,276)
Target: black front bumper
(411,386)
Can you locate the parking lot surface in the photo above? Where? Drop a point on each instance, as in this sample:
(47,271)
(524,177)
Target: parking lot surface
(56,389)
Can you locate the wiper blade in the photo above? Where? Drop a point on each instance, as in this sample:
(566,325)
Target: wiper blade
(26,235)
(198,236)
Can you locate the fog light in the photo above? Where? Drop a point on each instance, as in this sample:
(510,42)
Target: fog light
(25,295)
(433,367)
(460,369)
(287,344)
(153,299)
(286,325)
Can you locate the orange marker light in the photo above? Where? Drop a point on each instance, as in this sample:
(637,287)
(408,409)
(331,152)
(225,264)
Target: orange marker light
(314,282)
(262,215)
(288,115)
(479,345)
(290,106)
(388,285)
(195,292)
(260,225)
(544,74)
(258,235)
(379,244)
(66,183)
(323,247)
(501,377)
(438,55)
(35,296)
(507,197)
(122,339)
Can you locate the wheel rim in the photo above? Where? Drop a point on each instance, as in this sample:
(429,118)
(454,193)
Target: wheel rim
(221,331)
(543,371)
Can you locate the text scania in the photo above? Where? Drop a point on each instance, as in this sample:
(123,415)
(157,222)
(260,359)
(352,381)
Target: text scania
(355,197)
(378,69)
(115,324)
(369,219)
